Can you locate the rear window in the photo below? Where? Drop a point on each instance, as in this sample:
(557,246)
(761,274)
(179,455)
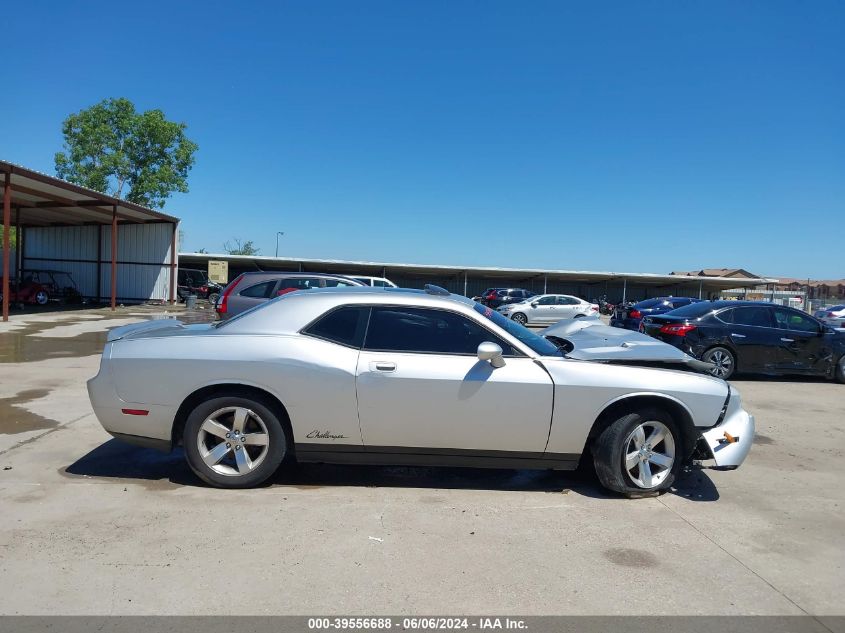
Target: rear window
(259,291)
(648,303)
(693,310)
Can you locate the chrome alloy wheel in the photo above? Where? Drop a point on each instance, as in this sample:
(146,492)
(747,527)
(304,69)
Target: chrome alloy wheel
(233,441)
(649,454)
(520,318)
(723,363)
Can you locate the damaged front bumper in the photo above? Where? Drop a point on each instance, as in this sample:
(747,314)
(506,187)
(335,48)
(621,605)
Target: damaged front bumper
(728,443)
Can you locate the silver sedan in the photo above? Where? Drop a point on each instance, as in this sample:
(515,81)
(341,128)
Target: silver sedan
(390,376)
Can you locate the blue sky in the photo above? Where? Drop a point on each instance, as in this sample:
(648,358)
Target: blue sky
(632,136)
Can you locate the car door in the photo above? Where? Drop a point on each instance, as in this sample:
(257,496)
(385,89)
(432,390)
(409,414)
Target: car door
(752,332)
(421,386)
(567,307)
(542,309)
(800,345)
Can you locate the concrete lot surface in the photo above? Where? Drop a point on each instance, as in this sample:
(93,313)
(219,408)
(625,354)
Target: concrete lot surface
(93,526)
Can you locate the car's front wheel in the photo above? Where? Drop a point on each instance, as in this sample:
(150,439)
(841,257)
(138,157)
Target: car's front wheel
(638,453)
(520,318)
(42,297)
(234,441)
(840,370)
(723,360)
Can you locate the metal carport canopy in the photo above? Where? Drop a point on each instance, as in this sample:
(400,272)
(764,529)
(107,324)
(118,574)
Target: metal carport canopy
(422,270)
(31,198)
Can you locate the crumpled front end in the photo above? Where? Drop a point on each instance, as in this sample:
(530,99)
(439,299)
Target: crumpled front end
(729,441)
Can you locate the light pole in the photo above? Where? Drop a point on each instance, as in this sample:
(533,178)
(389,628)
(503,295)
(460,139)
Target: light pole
(278,233)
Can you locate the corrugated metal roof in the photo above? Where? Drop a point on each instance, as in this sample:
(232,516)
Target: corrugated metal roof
(46,200)
(488,271)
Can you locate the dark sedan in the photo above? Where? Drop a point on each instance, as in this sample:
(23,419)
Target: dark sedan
(495,297)
(753,337)
(630,317)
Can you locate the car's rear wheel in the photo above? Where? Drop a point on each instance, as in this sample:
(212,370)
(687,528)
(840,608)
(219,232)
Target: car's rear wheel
(840,370)
(520,318)
(579,316)
(723,359)
(213,297)
(234,442)
(639,453)
(41,297)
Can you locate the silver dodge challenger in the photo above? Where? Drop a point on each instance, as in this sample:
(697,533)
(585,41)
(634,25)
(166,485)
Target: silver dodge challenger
(403,377)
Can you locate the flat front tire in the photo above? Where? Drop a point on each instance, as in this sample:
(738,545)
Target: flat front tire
(234,441)
(639,453)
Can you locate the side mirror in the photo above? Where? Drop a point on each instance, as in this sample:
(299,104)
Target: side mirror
(491,352)
(534,304)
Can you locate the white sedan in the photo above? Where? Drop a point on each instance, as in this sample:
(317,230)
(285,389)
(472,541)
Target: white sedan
(834,316)
(548,309)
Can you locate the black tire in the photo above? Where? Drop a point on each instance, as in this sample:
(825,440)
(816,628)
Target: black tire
(520,318)
(213,297)
(724,359)
(579,316)
(609,453)
(840,370)
(42,297)
(277,446)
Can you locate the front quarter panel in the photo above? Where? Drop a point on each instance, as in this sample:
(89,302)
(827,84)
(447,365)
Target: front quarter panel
(584,389)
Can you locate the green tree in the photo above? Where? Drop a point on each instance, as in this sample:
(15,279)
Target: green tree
(235,247)
(13,237)
(137,156)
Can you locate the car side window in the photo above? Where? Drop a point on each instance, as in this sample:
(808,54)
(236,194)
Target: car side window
(758,316)
(789,320)
(726,316)
(567,301)
(259,291)
(422,330)
(546,301)
(345,326)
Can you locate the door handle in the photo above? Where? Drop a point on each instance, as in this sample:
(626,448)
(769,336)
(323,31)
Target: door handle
(735,335)
(380,365)
(788,340)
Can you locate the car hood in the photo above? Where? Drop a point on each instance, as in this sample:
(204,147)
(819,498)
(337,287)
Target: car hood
(592,340)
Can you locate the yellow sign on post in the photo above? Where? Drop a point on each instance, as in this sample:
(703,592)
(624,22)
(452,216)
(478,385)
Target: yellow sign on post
(218,271)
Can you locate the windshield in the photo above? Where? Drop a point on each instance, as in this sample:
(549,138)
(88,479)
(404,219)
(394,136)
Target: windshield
(523,334)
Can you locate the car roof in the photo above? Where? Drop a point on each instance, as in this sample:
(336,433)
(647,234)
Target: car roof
(292,273)
(294,310)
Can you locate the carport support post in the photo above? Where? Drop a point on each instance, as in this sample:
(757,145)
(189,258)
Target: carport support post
(545,284)
(114,257)
(173,266)
(700,288)
(7,227)
(465,283)
(624,290)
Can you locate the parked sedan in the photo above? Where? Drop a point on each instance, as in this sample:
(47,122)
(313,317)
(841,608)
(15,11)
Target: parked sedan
(834,316)
(249,290)
(495,297)
(397,376)
(629,317)
(546,309)
(753,337)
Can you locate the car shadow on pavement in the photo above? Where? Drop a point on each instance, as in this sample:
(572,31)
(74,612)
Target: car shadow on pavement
(131,464)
